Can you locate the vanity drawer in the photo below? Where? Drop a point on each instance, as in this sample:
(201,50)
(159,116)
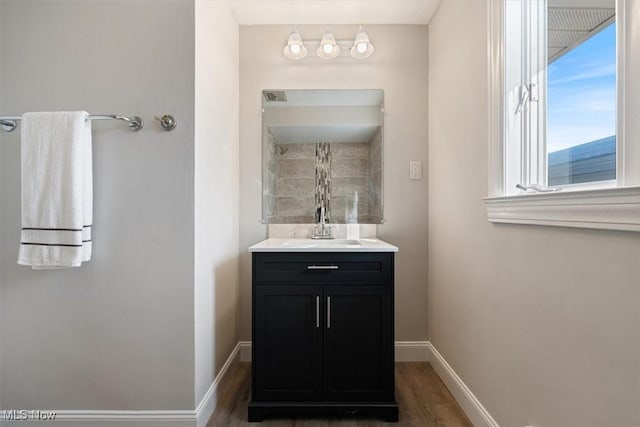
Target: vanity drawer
(322,267)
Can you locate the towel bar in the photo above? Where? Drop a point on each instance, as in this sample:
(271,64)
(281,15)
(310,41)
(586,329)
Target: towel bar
(9,123)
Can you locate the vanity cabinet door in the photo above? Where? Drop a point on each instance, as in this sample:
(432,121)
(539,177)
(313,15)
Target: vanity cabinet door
(358,350)
(287,347)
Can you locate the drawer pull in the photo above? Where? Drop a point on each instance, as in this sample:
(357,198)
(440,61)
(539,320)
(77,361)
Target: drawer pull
(328,312)
(317,311)
(322,267)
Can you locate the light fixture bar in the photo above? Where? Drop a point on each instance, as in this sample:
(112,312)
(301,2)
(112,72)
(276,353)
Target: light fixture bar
(313,45)
(358,48)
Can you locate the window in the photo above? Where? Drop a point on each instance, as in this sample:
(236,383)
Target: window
(581,104)
(562,152)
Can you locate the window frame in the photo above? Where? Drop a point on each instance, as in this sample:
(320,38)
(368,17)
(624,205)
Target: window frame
(597,205)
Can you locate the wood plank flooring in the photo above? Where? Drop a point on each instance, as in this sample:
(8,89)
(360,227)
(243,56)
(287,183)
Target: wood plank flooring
(423,398)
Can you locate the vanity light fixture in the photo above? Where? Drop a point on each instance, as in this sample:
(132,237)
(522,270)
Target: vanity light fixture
(295,48)
(362,47)
(328,48)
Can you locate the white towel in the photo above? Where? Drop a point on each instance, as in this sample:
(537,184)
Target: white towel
(57,190)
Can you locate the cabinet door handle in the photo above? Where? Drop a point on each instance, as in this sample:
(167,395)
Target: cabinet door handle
(328,312)
(317,311)
(322,267)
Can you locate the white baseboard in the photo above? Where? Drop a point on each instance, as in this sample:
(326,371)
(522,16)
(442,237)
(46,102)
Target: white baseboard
(112,419)
(412,351)
(210,400)
(186,418)
(470,404)
(245,351)
(406,351)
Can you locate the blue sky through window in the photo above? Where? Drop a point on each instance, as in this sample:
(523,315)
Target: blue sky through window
(581,93)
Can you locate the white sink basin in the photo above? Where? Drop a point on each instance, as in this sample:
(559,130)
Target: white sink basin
(324,243)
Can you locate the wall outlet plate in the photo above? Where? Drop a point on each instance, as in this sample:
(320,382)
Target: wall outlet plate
(415,170)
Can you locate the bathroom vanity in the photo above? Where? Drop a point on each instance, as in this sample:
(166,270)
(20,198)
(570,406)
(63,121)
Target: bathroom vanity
(323,328)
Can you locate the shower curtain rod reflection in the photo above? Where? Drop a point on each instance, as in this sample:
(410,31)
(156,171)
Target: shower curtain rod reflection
(9,123)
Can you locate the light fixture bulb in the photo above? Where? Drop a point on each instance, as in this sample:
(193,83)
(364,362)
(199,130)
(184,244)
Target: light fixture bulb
(362,47)
(295,48)
(328,48)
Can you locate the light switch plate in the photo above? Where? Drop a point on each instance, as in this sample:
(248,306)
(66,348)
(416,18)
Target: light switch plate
(415,170)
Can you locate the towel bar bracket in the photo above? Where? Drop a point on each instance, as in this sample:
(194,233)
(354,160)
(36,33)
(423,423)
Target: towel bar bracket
(8,125)
(168,122)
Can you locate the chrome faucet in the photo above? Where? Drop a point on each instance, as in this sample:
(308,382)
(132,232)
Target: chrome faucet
(321,230)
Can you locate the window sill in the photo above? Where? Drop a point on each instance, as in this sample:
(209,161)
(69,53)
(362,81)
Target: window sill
(605,209)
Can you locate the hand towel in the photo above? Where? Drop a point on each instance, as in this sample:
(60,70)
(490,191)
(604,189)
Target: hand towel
(57,190)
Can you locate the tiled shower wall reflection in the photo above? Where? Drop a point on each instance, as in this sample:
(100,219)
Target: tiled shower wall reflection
(270,176)
(349,182)
(296,183)
(355,188)
(375,179)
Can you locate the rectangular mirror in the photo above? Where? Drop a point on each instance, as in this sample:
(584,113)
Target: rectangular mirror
(322,148)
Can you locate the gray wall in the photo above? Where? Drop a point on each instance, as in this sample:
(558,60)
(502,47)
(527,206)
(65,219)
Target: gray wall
(543,324)
(399,66)
(116,333)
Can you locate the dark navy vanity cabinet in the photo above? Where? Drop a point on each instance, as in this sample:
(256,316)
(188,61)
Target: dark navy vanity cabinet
(323,340)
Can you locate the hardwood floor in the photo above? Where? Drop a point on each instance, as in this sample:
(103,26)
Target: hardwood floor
(423,399)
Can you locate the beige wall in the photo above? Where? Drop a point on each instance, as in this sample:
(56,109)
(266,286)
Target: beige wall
(116,333)
(399,66)
(216,190)
(543,324)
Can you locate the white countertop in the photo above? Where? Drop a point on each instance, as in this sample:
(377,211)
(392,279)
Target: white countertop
(329,245)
